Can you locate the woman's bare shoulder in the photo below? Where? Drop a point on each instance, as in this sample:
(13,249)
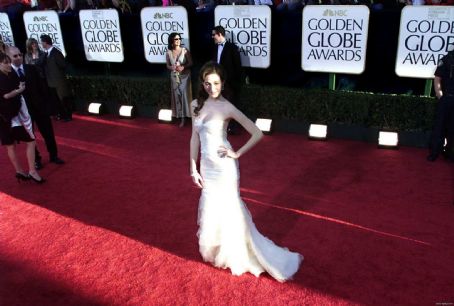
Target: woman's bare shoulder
(227,104)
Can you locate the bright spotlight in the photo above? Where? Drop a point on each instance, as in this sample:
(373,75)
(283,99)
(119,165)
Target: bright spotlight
(318,131)
(126,111)
(95,108)
(264,125)
(388,139)
(165,115)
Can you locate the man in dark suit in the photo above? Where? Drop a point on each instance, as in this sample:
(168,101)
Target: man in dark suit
(227,55)
(444,120)
(37,104)
(55,72)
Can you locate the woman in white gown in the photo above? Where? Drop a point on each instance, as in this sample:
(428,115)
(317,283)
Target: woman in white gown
(227,236)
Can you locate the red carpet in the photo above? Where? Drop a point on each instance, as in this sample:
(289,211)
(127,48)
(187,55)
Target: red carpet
(116,225)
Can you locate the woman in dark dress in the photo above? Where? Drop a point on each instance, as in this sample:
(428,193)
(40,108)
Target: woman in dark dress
(15,122)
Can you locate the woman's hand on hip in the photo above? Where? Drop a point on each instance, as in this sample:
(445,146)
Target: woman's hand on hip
(226,152)
(197,179)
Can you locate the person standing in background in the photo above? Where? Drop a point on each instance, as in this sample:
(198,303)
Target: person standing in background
(179,62)
(15,122)
(36,99)
(227,55)
(34,55)
(444,120)
(55,72)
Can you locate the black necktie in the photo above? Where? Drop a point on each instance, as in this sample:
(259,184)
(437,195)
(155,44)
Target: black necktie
(20,72)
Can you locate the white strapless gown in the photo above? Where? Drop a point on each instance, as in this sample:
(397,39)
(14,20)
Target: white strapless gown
(227,236)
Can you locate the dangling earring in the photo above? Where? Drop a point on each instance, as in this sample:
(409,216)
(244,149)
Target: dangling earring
(222,88)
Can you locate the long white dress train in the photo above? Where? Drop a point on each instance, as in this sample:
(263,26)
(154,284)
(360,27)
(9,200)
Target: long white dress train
(227,236)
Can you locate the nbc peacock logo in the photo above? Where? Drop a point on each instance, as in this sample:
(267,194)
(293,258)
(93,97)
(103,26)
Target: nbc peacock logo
(163,16)
(40,18)
(335,13)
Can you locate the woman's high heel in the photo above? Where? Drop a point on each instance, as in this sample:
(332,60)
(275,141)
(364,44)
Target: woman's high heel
(38,181)
(21,177)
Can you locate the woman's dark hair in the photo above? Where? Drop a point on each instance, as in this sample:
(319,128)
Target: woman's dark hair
(4,58)
(207,69)
(170,40)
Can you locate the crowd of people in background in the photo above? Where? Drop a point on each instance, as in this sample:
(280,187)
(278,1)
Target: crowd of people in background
(33,87)
(12,7)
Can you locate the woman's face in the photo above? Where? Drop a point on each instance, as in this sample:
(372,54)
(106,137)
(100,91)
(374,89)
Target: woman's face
(5,67)
(212,85)
(177,41)
(34,45)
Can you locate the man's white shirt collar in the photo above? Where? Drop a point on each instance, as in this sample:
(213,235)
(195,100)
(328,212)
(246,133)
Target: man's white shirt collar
(48,50)
(16,68)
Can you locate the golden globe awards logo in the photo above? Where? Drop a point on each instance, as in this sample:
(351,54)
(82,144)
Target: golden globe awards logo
(157,24)
(334,38)
(159,31)
(427,41)
(337,39)
(42,25)
(426,34)
(249,34)
(102,35)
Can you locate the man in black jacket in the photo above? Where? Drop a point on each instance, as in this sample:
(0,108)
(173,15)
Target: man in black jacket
(227,55)
(55,71)
(444,121)
(37,104)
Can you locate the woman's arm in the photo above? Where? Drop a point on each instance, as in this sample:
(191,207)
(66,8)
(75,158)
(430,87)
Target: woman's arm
(27,58)
(249,126)
(15,92)
(194,151)
(188,63)
(168,64)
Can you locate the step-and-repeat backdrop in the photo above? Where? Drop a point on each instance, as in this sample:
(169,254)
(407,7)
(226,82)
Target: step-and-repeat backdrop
(334,37)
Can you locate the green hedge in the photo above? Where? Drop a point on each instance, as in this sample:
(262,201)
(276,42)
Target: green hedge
(132,90)
(398,112)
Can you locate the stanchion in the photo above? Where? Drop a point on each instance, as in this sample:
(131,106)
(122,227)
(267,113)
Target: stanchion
(428,88)
(332,81)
